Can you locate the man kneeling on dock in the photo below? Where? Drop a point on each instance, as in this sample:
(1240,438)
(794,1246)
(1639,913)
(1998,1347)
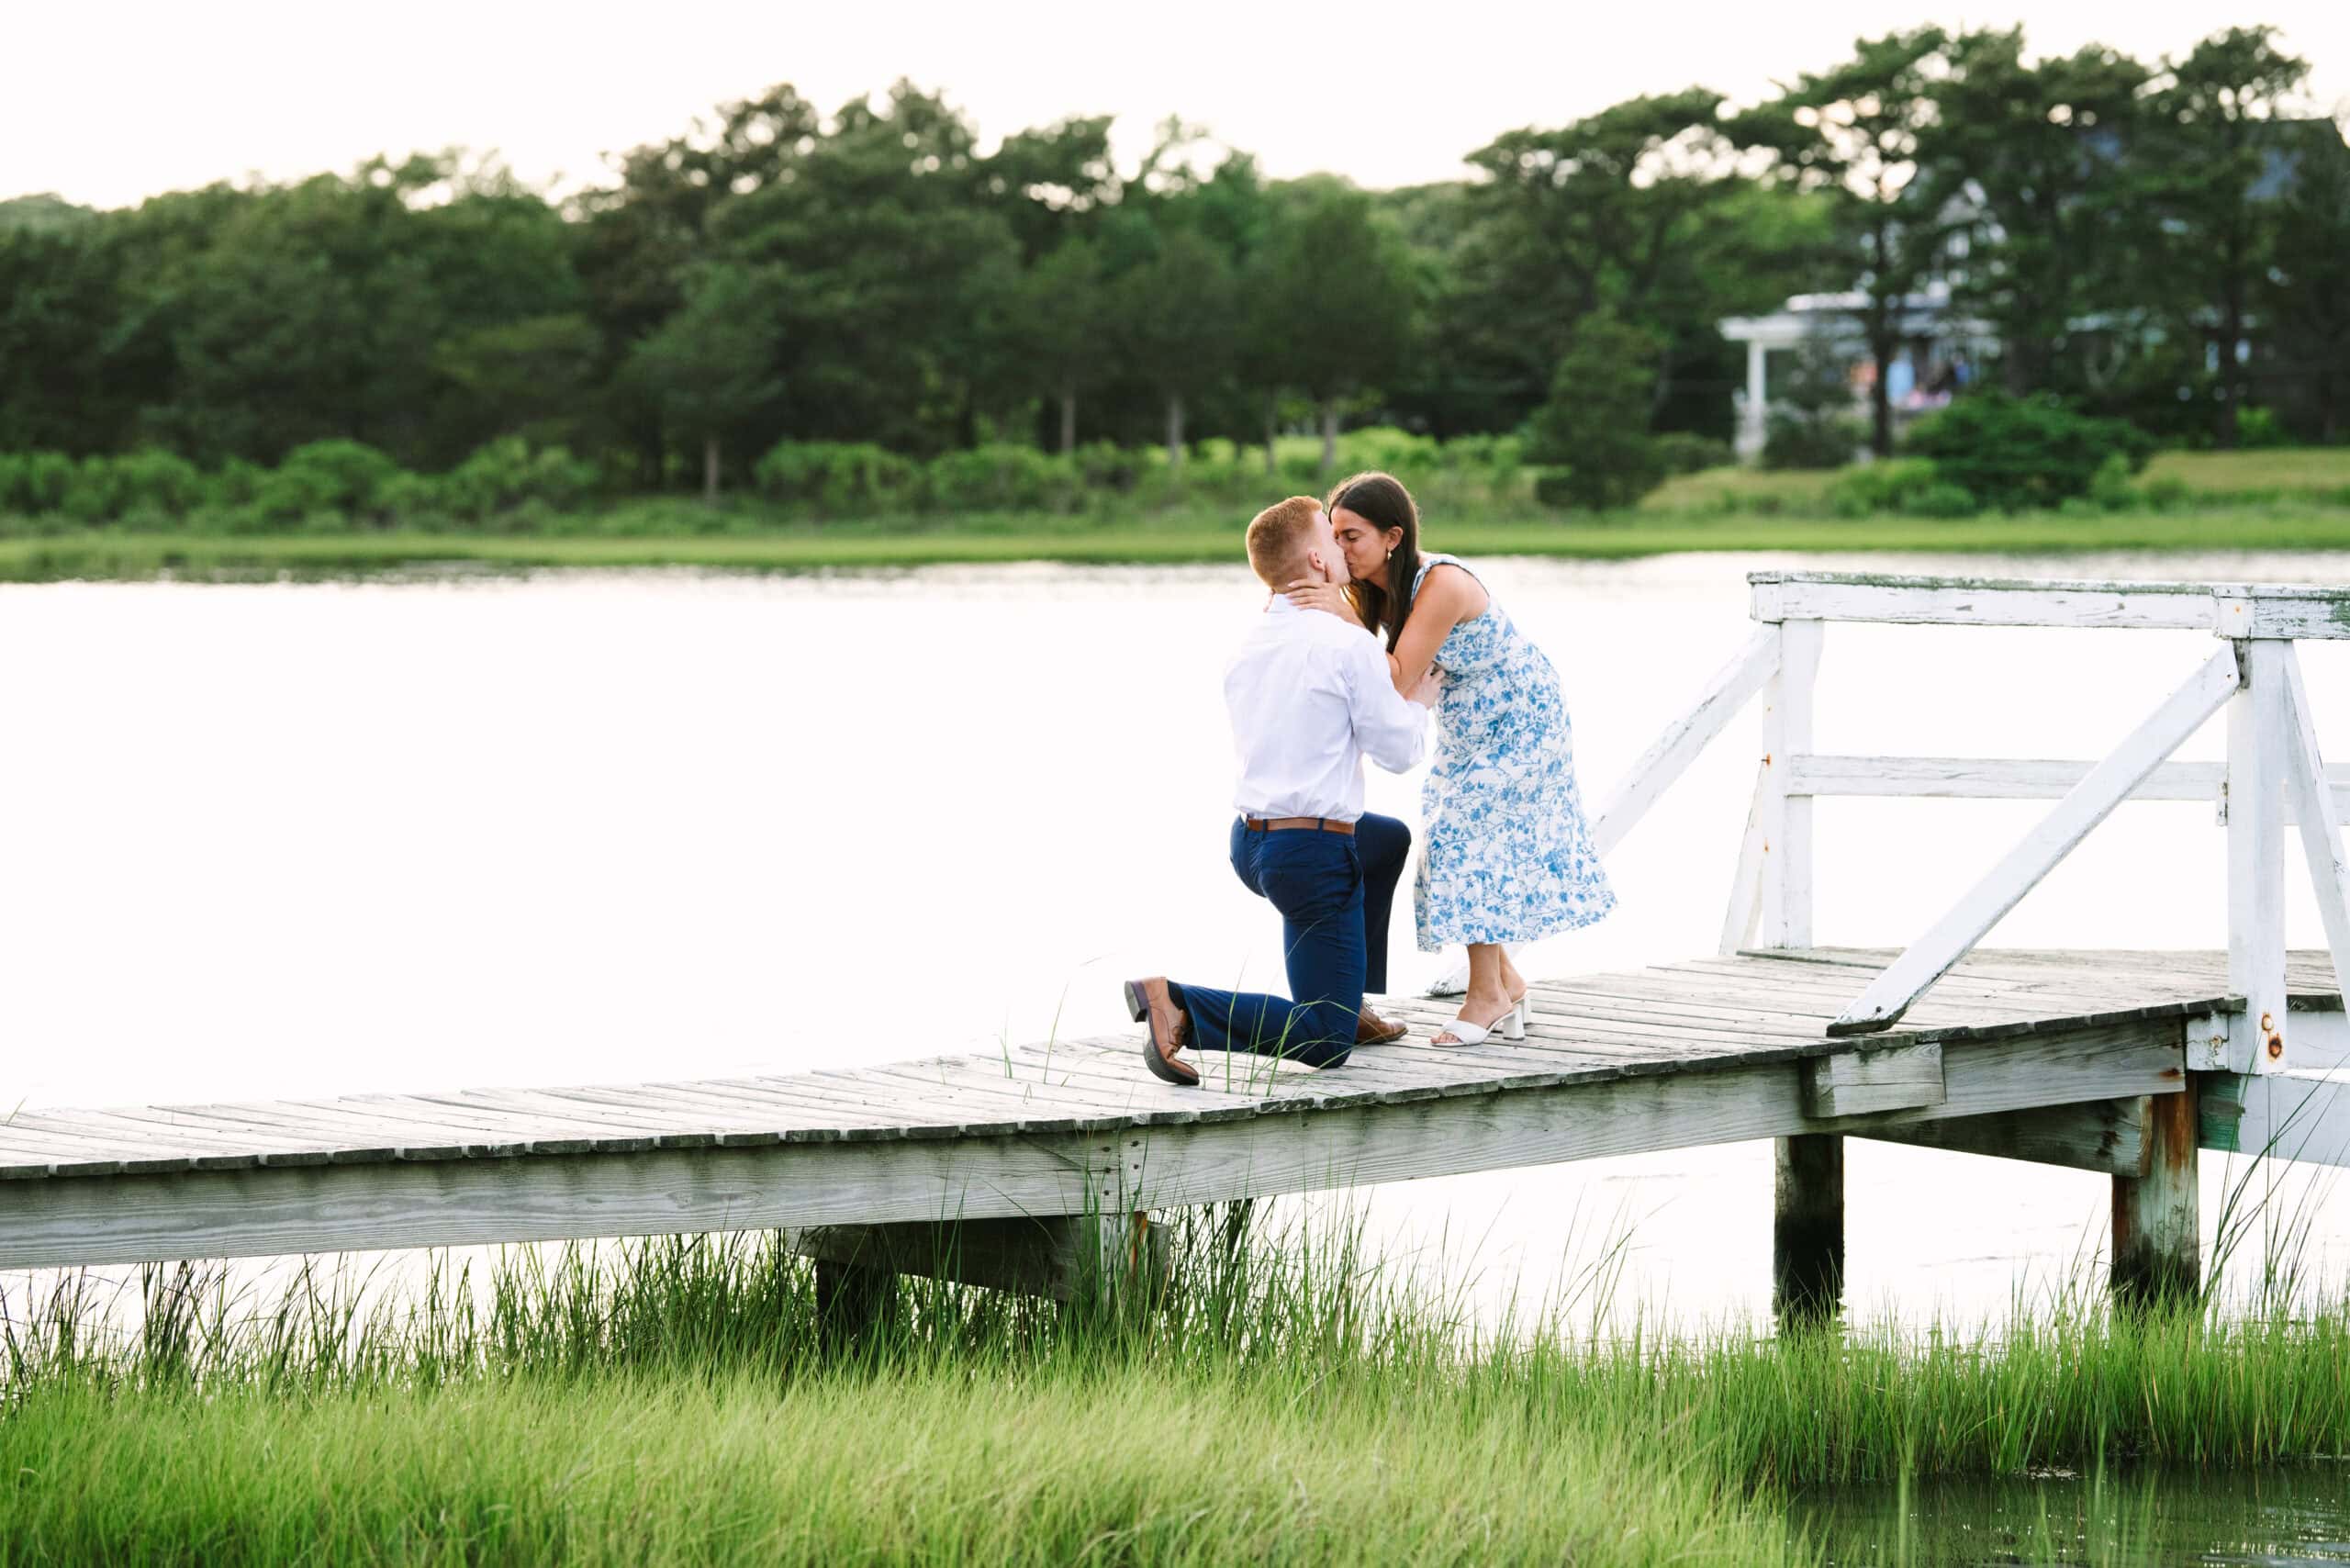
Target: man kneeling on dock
(1310,696)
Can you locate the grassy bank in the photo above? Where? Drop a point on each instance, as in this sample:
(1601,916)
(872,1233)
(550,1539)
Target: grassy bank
(119,556)
(1293,1404)
(2277,499)
(2259,500)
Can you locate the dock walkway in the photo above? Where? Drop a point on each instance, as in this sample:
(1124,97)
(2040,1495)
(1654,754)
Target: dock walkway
(2053,1057)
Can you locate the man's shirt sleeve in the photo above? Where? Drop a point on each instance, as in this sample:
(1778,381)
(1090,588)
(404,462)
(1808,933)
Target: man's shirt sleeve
(1390,729)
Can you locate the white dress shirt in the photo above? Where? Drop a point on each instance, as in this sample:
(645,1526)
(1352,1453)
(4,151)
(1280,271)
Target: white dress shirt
(1310,697)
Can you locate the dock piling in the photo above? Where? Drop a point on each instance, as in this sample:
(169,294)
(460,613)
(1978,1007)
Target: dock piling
(2157,1243)
(1807,1228)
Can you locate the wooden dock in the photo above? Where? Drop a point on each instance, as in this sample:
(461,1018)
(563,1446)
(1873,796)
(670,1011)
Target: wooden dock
(1002,1168)
(2058,1058)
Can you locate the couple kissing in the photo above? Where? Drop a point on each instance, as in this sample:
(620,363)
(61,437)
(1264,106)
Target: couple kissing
(1363,637)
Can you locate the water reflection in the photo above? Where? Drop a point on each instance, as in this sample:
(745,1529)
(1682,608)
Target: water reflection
(2140,1519)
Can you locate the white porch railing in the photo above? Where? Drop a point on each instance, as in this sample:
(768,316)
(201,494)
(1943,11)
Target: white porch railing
(2274,776)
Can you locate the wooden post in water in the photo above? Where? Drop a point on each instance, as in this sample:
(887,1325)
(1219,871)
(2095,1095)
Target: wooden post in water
(1807,1213)
(2157,1240)
(1129,1260)
(851,1301)
(1807,1228)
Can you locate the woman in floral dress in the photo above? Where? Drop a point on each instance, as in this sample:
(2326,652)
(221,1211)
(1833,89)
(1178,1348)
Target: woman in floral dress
(1506,853)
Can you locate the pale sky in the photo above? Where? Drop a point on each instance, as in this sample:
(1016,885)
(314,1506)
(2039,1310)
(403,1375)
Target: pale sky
(106,104)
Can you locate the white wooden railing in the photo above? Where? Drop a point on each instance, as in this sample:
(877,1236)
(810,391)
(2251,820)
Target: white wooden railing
(2274,776)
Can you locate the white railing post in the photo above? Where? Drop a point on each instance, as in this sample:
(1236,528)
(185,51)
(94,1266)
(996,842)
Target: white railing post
(2256,764)
(1785,819)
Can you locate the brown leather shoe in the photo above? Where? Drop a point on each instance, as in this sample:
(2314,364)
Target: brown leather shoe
(1170,1029)
(1370,1029)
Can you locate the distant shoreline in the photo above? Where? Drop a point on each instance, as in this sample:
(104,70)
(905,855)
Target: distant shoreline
(118,556)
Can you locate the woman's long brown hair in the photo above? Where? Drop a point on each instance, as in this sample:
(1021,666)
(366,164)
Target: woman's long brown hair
(1381,500)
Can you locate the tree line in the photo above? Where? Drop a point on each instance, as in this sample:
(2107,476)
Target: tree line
(778,273)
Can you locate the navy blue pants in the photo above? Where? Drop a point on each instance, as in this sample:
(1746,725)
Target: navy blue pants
(1334,893)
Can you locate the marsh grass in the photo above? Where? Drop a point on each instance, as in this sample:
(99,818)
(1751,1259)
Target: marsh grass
(1287,1397)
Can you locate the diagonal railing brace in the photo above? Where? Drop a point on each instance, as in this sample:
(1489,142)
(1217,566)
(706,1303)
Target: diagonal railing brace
(2108,784)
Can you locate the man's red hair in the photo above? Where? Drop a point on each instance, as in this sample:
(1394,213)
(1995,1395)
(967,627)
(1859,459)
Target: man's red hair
(1277,540)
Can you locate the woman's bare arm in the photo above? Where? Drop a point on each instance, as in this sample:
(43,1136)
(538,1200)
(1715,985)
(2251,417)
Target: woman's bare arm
(1448,595)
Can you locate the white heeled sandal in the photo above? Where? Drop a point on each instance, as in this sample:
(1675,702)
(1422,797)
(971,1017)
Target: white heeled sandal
(1511,1023)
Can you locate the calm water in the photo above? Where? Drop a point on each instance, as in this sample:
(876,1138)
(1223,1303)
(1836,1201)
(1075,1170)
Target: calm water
(2131,1520)
(301,840)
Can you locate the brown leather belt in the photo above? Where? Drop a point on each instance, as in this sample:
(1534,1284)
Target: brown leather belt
(1284,824)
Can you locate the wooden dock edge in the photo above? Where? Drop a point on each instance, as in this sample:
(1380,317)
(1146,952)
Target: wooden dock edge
(273,1210)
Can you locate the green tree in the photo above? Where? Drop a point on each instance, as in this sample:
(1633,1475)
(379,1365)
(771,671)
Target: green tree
(1179,323)
(1854,133)
(513,350)
(640,236)
(1052,183)
(62,381)
(1615,212)
(532,377)
(2039,143)
(2308,286)
(1342,287)
(47,211)
(308,316)
(894,282)
(2210,144)
(1066,327)
(711,367)
(1609,461)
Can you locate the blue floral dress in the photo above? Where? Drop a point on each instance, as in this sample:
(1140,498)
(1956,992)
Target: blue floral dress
(1508,853)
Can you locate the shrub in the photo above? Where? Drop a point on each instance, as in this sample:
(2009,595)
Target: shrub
(837,478)
(1555,488)
(1804,441)
(412,498)
(1304,472)
(1942,499)
(46,477)
(150,487)
(1894,485)
(1685,452)
(1811,423)
(1500,456)
(1388,448)
(1594,425)
(343,477)
(237,483)
(89,496)
(1105,465)
(2259,427)
(158,481)
(506,475)
(2109,486)
(2016,452)
(996,477)
(34,483)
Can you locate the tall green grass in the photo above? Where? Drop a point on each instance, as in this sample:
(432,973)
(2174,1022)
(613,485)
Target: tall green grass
(1287,1399)
(676,1401)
